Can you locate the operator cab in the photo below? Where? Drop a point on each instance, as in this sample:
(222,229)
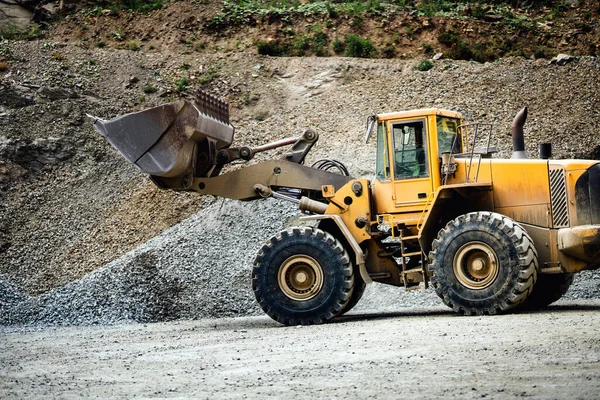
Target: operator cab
(406,173)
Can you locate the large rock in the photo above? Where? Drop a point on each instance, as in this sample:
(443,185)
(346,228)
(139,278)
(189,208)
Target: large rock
(13,14)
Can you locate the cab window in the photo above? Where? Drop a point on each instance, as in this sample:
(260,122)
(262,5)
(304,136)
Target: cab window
(410,150)
(449,140)
(382,166)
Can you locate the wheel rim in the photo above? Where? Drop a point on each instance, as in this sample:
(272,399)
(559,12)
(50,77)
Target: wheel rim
(300,277)
(476,265)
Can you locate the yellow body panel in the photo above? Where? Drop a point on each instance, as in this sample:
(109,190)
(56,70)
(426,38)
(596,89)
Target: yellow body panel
(351,207)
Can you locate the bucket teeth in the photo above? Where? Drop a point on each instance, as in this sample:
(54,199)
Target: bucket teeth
(212,106)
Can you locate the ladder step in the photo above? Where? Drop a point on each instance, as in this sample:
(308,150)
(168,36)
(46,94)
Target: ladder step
(415,253)
(380,275)
(410,237)
(418,285)
(413,271)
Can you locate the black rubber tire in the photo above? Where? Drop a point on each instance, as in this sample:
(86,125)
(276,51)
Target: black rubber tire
(547,289)
(357,294)
(516,264)
(337,281)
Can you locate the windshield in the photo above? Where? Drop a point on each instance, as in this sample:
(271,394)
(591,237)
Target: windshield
(448,139)
(410,150)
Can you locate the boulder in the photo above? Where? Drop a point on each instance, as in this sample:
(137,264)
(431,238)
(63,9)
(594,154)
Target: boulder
(14,15)
(562,59)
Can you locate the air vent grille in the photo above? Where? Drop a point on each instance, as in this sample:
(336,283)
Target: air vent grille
(558,198)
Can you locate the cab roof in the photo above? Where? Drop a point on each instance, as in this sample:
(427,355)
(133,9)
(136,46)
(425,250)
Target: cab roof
(418,113)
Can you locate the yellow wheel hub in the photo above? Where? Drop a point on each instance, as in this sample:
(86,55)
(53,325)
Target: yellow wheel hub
(300,277)
(476,265)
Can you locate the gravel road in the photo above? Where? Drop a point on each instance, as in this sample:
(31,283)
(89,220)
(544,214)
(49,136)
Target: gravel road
(410,353)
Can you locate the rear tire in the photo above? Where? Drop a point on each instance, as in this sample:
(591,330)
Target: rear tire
(302,276)
(547,290)
(483,263)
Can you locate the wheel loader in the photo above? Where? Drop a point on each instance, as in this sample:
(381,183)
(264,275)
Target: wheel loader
(490,235)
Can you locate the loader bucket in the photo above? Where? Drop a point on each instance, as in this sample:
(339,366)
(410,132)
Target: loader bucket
(172,140)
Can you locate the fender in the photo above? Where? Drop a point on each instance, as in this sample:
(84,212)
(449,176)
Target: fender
(358,252)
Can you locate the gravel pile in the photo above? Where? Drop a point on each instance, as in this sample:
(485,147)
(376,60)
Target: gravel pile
(198,269)
(10,294)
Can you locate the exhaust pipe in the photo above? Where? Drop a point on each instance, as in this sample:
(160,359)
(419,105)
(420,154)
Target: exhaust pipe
(545,151)
(517,134)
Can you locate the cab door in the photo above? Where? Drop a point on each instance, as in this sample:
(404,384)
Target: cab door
(410,164)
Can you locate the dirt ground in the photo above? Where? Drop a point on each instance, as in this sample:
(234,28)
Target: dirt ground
(409,353)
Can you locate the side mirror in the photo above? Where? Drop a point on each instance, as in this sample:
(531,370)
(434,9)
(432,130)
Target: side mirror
(371,121)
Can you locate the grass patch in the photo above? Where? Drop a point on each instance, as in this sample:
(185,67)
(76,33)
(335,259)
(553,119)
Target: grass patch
(480,52)
(11,32)
(261,115)
(429,8)
(208,76)
(425,65)
(181,84)
(6,53)
(142,6)
(149,89)
(339,46)
(133,46)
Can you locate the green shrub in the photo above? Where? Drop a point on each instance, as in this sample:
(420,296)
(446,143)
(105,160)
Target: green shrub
(272,48)
(428,49)
(389,51)
(338,46)
(301,44)
(181,84)
(209,75)
(357,46)
(217,22)
(448,38)
(140,5)
(319,43)
(6,53)
(430,8)
(425,65)
(261,115)
(133,46)
(149,89)
(11,32)
(461,51)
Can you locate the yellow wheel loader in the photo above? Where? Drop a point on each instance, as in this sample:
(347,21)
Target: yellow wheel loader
(491,235)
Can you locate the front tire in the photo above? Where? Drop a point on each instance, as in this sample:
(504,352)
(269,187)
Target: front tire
(302,276)
(359,289)
(483,263)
